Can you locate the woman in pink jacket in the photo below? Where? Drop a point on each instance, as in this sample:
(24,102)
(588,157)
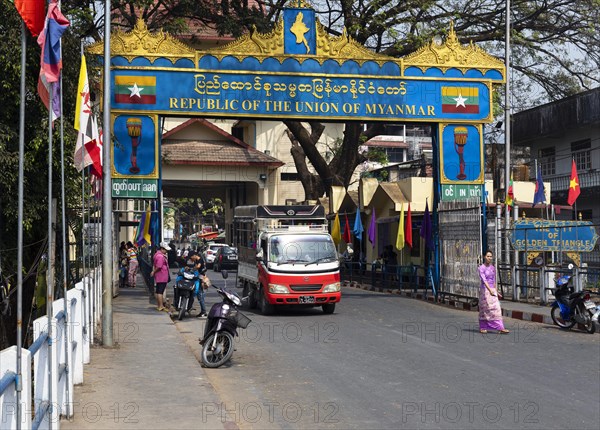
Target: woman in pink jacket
(160,271)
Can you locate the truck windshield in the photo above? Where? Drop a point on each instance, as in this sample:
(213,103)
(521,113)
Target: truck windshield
(309,248)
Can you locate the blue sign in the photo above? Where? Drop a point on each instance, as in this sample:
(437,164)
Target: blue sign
(461,156)
(302,96)
(548,235)
(134,151)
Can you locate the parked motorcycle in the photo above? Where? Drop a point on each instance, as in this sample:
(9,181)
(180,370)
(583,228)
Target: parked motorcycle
(186,284)
(221,327)
(572,307)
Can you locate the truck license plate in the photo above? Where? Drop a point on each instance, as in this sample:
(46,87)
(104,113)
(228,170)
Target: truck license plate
(306,299)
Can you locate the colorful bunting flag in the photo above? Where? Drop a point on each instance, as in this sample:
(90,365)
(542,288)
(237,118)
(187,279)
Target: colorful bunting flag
(539,195)
(143,232)
(426,227)
(372,229)
(408,228)
(347,237)
(400,237)
(358,227)
(336,234)
(154,230)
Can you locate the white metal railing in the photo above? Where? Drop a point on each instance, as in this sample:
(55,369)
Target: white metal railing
(44,389)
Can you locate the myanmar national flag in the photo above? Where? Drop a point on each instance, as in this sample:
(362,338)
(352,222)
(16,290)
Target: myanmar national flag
(139,90)
(460,100)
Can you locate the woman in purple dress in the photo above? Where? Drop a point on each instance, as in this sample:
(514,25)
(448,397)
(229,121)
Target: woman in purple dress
(490,314)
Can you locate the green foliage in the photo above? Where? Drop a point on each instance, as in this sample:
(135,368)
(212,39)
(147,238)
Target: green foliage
(35,182)
(377,155)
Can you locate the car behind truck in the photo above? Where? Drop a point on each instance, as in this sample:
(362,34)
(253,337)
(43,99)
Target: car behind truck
(286,257)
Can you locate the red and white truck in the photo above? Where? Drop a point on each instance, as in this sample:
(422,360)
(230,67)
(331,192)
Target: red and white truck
(286,257)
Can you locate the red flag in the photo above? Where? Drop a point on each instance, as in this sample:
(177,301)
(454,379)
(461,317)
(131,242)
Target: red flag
(94,149)
(408,228)
(574,189)
(32,12)
(347,237)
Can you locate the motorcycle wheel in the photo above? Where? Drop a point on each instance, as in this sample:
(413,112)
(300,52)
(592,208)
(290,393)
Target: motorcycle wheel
(222,352)
(183,308)
(590,327)
(555,314)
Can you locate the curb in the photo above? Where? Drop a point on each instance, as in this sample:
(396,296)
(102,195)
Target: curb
(452,303)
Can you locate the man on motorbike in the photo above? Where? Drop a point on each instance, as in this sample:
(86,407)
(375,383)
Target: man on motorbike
(200,267)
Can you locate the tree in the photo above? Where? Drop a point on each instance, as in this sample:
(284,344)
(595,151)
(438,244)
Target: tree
(554,54)
(554,46)
(35,182)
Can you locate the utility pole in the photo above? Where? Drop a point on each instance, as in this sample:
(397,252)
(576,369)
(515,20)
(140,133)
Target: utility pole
(107,231)
(507,130)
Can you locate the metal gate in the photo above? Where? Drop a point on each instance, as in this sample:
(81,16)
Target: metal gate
(460,247)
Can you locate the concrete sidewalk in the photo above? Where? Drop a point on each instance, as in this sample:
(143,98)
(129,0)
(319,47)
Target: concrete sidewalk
(149,380)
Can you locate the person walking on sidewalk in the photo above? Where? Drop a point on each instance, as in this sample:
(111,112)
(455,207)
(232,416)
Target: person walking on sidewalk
(132,265)
(490,313)
(160,271)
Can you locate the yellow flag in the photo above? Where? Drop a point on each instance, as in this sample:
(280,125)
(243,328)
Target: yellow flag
(400,237)
(336,230)
(147,236)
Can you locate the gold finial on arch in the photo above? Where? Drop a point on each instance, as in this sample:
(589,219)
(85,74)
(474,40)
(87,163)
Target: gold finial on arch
(140,42)
(301,4)
(450,53)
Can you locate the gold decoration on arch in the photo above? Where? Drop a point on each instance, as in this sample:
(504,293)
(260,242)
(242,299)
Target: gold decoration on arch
(253,44)
(452,54)
(140,42)
(271,45)
(343,48)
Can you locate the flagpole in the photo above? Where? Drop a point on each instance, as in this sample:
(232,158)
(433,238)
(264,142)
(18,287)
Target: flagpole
(507,128)
(575,202)
(82,197)
(107,267)
(68,374)
(50,259)
(19,382)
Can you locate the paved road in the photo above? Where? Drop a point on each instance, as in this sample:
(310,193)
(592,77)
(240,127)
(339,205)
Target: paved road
(384,361)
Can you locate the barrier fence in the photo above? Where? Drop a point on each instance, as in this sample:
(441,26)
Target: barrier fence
(53,363)
(390,277)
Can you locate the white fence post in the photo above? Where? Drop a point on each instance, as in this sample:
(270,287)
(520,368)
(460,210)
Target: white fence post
(8,400)
(84,287)
(62,337)
(69,349)
(42,396)
(75,299)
